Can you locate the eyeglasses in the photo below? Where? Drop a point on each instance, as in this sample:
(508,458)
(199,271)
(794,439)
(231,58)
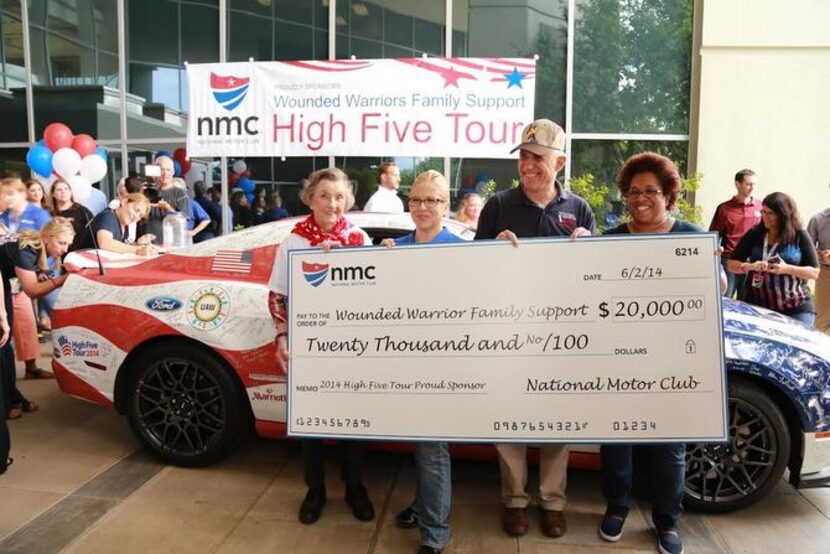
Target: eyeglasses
(648,193)
(428,202)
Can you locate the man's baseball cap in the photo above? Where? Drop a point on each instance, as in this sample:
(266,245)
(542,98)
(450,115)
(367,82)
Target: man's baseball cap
(542,136)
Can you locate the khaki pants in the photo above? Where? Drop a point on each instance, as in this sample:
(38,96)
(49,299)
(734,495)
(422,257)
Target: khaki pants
(823,300)
(553,475)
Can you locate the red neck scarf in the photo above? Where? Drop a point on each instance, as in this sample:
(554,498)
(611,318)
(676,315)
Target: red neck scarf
(343,232)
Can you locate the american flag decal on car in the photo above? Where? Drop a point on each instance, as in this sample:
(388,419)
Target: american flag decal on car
(233,261)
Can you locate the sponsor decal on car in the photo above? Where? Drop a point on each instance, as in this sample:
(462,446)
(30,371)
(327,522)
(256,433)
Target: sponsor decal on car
(78,348)
(208,308)
(163,304)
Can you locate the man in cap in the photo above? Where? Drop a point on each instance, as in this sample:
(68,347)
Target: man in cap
(540,207)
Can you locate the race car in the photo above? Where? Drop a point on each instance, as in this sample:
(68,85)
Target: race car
(183,344)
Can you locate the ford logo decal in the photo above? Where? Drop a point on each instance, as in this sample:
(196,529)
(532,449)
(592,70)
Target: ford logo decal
(163,304)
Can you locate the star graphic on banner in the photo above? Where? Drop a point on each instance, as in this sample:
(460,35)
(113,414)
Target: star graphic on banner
(514,78)
(451,77)
(231,81)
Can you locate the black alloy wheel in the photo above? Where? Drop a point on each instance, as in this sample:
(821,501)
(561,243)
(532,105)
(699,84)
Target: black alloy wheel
(185,406)
(726,477)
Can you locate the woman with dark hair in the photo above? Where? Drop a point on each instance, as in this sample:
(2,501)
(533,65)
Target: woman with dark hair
(275,210)
(243,217)
(651,186)
(779,258)
(329,195)
(65,206)
(36,194)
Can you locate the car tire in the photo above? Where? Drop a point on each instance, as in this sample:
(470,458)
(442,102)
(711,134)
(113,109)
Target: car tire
(727,477)
(185,405)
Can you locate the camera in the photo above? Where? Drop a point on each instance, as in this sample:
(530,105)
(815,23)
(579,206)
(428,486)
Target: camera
(151,191)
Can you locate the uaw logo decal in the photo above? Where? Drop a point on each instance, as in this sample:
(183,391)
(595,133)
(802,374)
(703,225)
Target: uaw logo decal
(229,91)
(208,308)
(315,274)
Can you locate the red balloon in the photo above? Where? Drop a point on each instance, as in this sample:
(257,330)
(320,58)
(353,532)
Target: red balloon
(233,178)
(185,166)
(84,145)
(179,154)
(57,136)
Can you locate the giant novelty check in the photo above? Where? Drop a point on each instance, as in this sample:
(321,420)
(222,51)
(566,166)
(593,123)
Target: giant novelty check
(597,340)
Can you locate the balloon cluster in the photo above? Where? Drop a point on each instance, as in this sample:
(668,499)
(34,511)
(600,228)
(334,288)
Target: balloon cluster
(240,177)
(77,159)
(181,163)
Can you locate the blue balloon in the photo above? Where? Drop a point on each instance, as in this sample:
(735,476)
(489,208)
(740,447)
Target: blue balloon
(39,159)
(41,142)
(177,168)
(245,184)
(250,196)
(101,152)
(163,153)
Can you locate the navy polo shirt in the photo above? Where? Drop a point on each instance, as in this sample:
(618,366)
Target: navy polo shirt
(104,220)
(512,209)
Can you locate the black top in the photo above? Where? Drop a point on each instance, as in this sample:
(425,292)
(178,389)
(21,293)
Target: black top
(104,220)
(11,256)
(512,209)
(79,216)
(678,227)
(178,199)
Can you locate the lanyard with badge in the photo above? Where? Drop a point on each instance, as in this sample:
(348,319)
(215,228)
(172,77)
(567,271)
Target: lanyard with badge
(768,254)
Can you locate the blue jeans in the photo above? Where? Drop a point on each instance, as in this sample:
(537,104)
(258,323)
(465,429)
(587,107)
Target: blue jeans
(668,475)
(807,318)
(433,497)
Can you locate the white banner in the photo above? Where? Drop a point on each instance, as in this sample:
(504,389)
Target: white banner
(604,339)
(426,107)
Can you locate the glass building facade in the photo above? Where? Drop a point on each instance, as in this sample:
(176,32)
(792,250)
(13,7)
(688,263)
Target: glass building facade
(614,73)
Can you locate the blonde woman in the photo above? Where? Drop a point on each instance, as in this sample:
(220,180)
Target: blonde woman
(469,209)
(26,260)
(110,227)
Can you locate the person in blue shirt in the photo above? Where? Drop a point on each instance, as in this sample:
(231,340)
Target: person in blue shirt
(274,210)
(199,223)
(429,201)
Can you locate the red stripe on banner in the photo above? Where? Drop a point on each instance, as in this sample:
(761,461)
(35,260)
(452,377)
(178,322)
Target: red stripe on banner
(305,65)
(229,82)
(527,65)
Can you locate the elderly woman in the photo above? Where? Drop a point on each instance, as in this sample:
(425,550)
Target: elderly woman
(779,258)
(329,195)
(651,185)
(429,200)
(26,259)
(469,209)
(110,227)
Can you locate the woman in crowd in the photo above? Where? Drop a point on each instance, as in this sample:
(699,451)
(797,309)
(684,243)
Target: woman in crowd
(243,217)
(26,259)
(468,210)
(108,230)
(429,200)
(651,185)
(36,195)
(64,205)
(275,210)
(779,258)
(21,215)
(329,195)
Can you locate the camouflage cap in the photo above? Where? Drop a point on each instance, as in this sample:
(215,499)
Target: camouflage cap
(542,136)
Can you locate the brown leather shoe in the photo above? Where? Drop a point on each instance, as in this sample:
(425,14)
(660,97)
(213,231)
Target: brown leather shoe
(515,521)
(554,523)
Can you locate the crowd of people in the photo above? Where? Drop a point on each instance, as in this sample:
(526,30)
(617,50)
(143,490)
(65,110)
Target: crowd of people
(767,256)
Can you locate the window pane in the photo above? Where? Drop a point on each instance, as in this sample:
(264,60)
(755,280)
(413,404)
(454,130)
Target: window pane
(200,34)
(250,37)
(12,76)
(153,31)
(632,63)
(296,42)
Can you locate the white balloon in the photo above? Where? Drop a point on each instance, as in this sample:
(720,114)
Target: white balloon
(93,167)
(46,182)
(81,187)
(238,166)
(66,162)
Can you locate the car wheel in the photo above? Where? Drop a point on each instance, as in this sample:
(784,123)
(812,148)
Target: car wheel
(727,477)
(184,404)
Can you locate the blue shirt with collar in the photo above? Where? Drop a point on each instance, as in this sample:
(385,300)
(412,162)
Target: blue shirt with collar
(512,209)
(444,236)
(33,218)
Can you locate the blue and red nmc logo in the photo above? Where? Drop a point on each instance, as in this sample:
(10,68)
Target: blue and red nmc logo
(315,274)
(230,91)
